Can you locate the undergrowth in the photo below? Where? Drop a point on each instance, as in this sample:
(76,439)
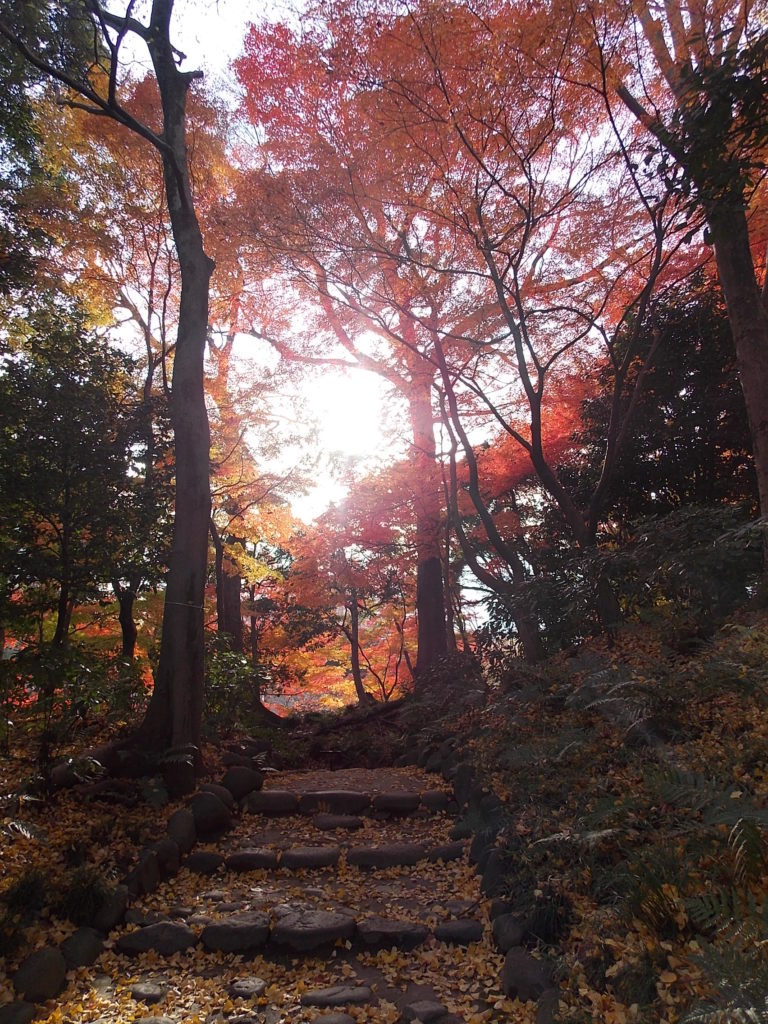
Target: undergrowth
(635,780)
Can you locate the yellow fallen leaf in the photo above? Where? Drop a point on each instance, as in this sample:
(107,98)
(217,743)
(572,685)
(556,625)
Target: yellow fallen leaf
(667,977)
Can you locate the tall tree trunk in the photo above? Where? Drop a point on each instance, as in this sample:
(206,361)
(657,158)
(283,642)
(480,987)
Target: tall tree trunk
(353,635)
(174,715)
(229,616)
(749,326)
(430,595)
(63,616)
(126,598)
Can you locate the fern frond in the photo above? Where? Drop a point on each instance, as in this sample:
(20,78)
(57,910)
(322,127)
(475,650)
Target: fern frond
(747,844)
(688,790)
(23,828)
(726,1015)
(711,910)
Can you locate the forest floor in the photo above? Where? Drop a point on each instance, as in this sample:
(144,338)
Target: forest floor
(632,819)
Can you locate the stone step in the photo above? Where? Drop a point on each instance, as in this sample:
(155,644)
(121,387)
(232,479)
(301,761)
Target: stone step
(346,803)
(297,858)
(299,930)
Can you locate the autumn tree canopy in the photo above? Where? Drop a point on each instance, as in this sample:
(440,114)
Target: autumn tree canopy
(511,216)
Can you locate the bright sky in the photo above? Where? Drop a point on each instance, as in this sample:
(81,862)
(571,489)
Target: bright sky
(349,410)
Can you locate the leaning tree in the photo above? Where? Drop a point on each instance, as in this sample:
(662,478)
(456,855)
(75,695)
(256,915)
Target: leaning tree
(80,45)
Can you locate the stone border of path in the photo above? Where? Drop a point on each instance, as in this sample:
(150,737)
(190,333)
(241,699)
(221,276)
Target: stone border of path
(208,814)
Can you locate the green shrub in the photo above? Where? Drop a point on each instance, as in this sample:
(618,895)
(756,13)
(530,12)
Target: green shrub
(83,895)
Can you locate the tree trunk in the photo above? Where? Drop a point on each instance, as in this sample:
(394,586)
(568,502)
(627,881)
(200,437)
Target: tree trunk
(430,594)
(63,616)
(126,597)
(353,635)
(229,616)
(749,326)
(174,714)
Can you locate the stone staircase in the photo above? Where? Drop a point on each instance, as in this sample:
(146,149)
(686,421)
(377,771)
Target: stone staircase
(328,897)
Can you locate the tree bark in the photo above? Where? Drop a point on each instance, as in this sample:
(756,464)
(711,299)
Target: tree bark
(430,594)
(126,598)
(353,635)
(749,326)
(229,617)
(174,715)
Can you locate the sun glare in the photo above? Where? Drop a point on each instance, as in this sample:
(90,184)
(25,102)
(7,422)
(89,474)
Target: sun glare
(350,410)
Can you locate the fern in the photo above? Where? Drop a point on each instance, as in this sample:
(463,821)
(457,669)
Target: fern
(728,1015)
(715,910)
(23,828)
(687,790)
(739,977)
(747,844)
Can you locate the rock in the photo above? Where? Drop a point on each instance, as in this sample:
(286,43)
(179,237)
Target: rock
(179,770)
(461,830)
(436,799)
(460,932)
(148,871)
(508,931)
(337,995)
(42,975)
(463,782)
(153,1020)
(251,860)
(17,1012)
(495,874)
(237,934)
(425,1010)
(309,857)
(211,815)
(82,948)
(396,803)
(423,756)
(166,938)
(336,801)
(404,760)
(221,792)
(380,931)
(331,822)
(240,781)
(499,906)
(480,847)
(549,1003)
(64,776)
(150,991)
(491,805)
(168,856)
(309,929)
(334,1018)
(134,915)
(204,862)
(181,829)
(181,911)
(247,988)
(387,855)
(272,802)
(112,910)
(523,976)
(447,852)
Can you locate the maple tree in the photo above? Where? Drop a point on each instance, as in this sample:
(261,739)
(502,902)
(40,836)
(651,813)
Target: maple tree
(488,232)
(327,227)
(354,568)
